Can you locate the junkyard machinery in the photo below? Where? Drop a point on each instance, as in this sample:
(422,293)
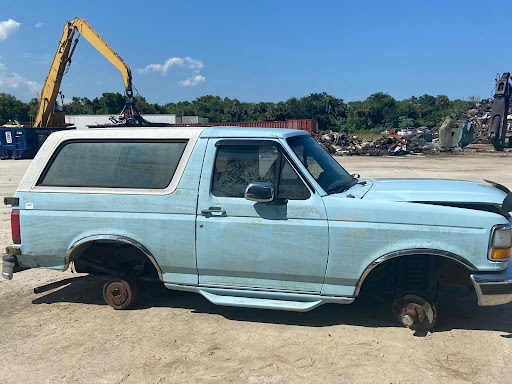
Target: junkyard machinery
(498,124)
(20,140)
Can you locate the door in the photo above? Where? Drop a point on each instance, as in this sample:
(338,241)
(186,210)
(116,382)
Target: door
(240,243)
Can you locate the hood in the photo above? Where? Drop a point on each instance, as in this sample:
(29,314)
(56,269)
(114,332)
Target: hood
(456,193)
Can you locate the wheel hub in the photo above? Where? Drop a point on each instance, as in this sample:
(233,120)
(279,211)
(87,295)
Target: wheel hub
(413,314)
(117,294)
(414,311)
(407,320)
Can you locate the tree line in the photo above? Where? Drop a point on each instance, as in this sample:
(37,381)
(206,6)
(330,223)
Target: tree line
(379,111)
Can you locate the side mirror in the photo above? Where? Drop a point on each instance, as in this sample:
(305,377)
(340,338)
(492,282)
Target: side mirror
(260,192)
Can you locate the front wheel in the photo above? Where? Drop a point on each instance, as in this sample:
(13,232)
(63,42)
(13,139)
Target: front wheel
(415,311)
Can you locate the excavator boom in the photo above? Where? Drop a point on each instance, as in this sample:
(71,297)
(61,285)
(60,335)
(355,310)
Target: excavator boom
(88,32)
(45,115)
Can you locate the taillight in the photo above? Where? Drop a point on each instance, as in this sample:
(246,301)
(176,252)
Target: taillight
(15,226)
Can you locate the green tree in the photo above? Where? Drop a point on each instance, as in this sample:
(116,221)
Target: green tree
(353,124)
(405,122)
(12,109)
(112,103)
(442,102)
(379,110)
(142,106)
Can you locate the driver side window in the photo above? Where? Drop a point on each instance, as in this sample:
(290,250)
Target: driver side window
(238,166)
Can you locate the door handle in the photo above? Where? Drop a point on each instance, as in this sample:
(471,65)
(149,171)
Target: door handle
(213,212)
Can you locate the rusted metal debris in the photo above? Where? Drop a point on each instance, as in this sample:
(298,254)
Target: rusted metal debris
(343,144)
(479,115)
(399,139)
(454,133)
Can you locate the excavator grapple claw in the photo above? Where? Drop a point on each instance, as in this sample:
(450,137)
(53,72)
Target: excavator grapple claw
(498,123)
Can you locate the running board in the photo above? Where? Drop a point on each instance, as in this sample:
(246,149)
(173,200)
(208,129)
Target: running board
(286,301)
(261,303)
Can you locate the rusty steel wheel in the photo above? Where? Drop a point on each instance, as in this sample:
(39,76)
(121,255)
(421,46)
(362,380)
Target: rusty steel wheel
(415,311)
(119,293)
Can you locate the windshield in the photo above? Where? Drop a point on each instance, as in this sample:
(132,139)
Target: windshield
(327,172)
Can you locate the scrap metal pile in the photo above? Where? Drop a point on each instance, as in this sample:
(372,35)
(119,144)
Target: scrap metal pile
(341,143)
(470,126)
(475,120)
(344,144)
(479,116)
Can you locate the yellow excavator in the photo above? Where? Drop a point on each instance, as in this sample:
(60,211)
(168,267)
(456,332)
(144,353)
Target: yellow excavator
(22,140)
(47,116)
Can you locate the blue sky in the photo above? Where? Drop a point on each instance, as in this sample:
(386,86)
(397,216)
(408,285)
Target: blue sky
(265,50)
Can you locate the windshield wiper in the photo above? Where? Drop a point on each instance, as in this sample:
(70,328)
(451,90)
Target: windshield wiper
(344,187)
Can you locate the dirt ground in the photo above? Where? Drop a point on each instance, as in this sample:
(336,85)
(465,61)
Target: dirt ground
(70,336)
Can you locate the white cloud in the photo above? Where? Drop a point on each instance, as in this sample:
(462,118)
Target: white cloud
(187,63)
(40,25)
(20,87)
(183,62)
(192,81)
(8,28)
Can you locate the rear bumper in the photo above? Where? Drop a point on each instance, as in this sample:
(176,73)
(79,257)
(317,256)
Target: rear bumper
(493,288)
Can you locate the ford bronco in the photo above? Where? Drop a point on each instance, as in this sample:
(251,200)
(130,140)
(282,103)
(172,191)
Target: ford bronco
(254,217)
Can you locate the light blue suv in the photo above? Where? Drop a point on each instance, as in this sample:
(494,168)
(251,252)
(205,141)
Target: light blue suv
(254,217)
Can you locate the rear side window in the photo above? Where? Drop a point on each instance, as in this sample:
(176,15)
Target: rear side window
(114,164)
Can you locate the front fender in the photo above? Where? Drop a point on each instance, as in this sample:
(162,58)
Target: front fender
(361,232)
(411,252)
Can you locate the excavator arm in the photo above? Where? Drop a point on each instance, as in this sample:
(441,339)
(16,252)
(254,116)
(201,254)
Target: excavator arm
(88,32)
(62,60)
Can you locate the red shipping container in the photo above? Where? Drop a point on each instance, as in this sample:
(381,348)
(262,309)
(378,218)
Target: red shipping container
(309,125)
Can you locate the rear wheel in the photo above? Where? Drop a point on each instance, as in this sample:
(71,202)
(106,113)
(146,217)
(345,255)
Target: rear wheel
(119,293)
(415,311)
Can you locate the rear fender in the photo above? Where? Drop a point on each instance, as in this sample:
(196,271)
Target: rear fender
(76,250)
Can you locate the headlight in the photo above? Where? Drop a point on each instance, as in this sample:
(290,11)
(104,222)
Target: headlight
(501,243)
